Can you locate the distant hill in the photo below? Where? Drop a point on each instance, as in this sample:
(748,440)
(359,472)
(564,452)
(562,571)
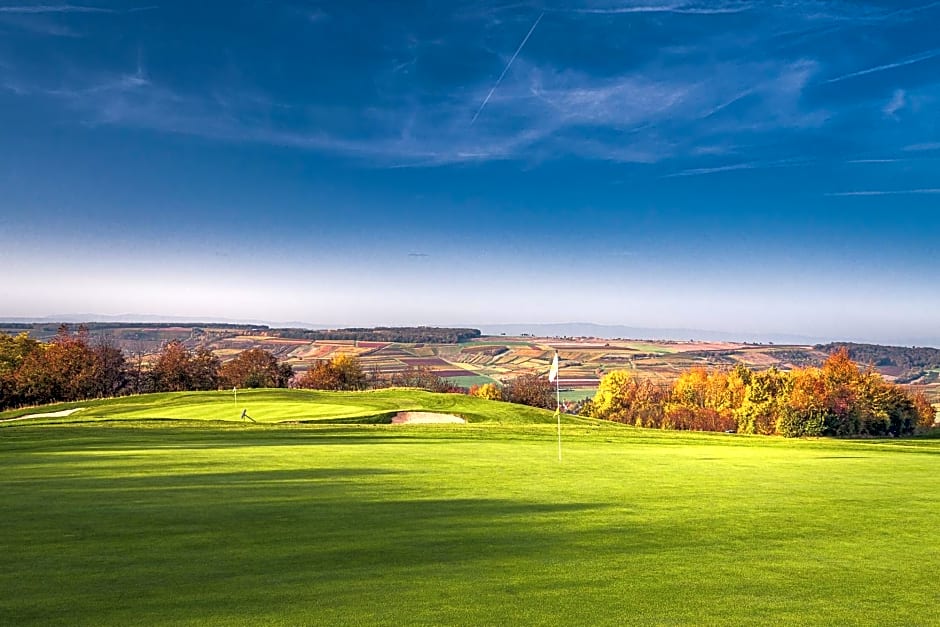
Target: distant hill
(613,331)
(590,329)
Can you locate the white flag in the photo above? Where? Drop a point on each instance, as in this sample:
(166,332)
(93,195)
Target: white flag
(553,373)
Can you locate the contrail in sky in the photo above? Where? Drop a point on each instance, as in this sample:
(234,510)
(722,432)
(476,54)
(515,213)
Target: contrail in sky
(506,69)
(930,54)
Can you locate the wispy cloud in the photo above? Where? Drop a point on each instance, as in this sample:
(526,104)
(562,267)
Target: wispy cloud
(551,113)
(714,8)
(893,192)
(754,165)
(641,99)
(53,8)
(862,161)
(897,102)
(714,170)
(922,147)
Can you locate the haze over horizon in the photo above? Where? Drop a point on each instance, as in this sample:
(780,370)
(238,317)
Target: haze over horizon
(735,166)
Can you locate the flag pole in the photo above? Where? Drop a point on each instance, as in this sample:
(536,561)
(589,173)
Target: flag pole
(553,378)
(558,413)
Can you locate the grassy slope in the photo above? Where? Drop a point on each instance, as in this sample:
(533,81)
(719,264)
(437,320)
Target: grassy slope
(189,523)
(290,405)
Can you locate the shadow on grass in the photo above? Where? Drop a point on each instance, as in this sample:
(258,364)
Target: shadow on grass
(182,547)
(843,457)
(122,436)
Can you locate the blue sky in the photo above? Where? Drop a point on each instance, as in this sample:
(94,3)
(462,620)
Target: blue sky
(741,166)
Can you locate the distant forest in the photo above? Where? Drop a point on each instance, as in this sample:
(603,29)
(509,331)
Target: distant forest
(410,335)
(912,363)
(150,331)
(125,330)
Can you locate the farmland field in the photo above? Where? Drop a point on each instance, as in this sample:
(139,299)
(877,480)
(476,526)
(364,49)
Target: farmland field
(165,509)
(583,361)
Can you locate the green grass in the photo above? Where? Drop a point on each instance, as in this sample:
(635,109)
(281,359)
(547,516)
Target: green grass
(657,349)
(577,394)
(191,522)
(496,342)
(470,380)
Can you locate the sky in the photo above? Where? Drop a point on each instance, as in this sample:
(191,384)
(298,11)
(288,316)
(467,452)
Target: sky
(751,167)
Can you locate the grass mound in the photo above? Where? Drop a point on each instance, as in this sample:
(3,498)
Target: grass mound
(304,406)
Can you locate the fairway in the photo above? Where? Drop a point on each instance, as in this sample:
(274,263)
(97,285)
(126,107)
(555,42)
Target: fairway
(183,521)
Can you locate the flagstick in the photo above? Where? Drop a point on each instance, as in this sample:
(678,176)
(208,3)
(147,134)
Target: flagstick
(235,389)
(558,413)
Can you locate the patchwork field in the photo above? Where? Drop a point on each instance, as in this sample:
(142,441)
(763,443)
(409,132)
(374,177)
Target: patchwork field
(166,509)
(583,361)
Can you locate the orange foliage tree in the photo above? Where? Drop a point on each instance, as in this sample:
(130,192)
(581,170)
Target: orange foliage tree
(837,399)
(705,401)
(66,369)
(343,372)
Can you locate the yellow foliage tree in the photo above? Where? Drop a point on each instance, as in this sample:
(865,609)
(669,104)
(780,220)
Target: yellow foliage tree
(489,391)
(622,397)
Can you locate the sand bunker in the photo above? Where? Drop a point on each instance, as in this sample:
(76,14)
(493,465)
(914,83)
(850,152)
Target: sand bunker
(53,414)
(425,418)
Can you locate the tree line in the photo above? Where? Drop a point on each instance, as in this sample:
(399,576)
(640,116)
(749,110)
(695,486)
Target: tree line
(838,399)
(912,361)
(407,335)
(73,367)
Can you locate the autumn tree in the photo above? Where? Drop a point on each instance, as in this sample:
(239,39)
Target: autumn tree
(423,378)
(320,376)
(926,414)
(705,401)
(349,372)
(489,391)
(255,368)
(62,371)
(110,371)
(622,397)
(837,399)
(66,369)
(13,352)
(179,369)
(763,403)
(840,399)
(530,389)
(842,385)
(805,411)
(343,372)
